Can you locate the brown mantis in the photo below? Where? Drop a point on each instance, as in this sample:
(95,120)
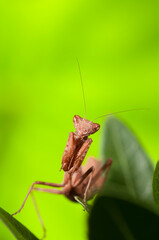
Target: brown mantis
(83,182)
(79,181)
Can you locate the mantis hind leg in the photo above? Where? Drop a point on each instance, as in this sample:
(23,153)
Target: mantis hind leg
(98,175)
(31,188)
(56,191)
(36,207)
(96,180)
(89,173)
(39,215)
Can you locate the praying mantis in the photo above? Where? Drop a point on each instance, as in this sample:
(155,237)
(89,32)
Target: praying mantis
(79,181)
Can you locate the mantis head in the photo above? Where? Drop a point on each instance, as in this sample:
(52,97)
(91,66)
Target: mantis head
(84,127)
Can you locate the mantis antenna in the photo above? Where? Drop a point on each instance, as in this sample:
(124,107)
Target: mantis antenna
(128,110)
(82,87)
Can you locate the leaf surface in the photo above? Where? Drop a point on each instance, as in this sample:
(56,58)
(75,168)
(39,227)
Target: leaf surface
(118,219)
(130,176)
(156,184)
(18,230)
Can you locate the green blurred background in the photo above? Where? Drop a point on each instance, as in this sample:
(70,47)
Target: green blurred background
(117,44)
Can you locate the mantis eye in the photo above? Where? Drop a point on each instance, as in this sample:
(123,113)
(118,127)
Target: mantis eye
(76,119)
(96,127)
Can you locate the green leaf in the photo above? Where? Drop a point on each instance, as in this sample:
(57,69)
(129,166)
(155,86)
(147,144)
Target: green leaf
(130,176)
(156,184)
(121,220)
(18,230)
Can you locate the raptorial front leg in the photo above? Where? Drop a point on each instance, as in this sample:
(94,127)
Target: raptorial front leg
(67,157)
(81,155)
(31,188)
